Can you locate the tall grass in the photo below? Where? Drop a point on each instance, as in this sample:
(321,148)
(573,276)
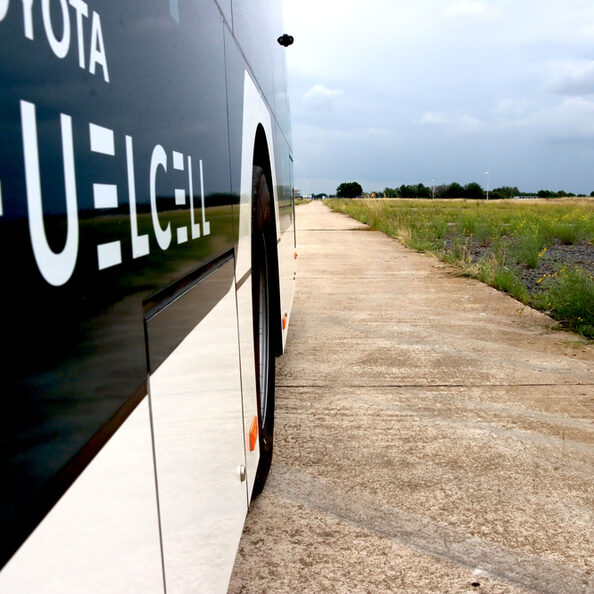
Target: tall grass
(569,297)
(495,242)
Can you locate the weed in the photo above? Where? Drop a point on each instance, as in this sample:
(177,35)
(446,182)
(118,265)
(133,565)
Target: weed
(501,243)
(569,297)
(527,249)
(507,280)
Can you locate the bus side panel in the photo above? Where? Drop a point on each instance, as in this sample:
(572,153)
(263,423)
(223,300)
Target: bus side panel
(114,158)
(225,7)
(265,56)
(238,111)
(103,535)
(198,431)
(267,66)
(281,92)
(257,36)
(287,254)
(136,134)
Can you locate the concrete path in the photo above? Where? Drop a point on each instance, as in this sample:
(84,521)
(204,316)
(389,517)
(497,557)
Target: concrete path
(432,434)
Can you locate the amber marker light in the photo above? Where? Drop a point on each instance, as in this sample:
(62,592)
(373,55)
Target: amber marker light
(253,434)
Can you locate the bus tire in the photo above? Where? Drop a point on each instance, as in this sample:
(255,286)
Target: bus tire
(262,294)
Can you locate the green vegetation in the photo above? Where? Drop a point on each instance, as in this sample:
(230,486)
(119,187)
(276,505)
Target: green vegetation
(541,253)
(299,201)
(472,191)
(349,190)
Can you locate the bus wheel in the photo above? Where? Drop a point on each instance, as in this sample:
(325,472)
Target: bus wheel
(262,243)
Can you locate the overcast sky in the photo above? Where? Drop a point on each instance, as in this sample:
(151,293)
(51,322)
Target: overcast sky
(386,92)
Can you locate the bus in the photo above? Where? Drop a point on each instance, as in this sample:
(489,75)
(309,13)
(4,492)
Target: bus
(148,254)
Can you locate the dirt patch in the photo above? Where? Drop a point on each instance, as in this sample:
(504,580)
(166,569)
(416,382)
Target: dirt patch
(551,261)
(554,259)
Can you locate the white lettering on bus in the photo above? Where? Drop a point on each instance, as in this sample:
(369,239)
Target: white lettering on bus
(140,243)
(82,10)
(60,47)
(56,268)
(105,195)
(193,224)
(3,8)
(205,223)
(60,39)
(97,55)
(180,196)
(28,18)
(158,159)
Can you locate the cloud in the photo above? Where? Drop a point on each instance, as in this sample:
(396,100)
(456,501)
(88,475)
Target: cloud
(511,107)
(430,117)
(443,88)
(321,98)
(571,122)
(378,132)
(468,10)
(455,123)
(577,80)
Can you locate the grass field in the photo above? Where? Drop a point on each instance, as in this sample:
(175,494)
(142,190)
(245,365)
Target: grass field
(541,252)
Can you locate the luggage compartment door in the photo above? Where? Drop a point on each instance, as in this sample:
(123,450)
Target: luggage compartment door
(198,428)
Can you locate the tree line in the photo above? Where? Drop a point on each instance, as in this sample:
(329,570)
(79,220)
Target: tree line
(472,190)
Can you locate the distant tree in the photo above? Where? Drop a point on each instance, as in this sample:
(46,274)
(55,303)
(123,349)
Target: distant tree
(414,191)
(349,190)
(454,190)
(592,194)
(473,191)
(423,191)
(405,191)
(319,196)
(551,194)
(504,192)
(439,190)
(392,193)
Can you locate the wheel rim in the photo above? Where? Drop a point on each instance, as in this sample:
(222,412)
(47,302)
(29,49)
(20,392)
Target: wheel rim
(263,335)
